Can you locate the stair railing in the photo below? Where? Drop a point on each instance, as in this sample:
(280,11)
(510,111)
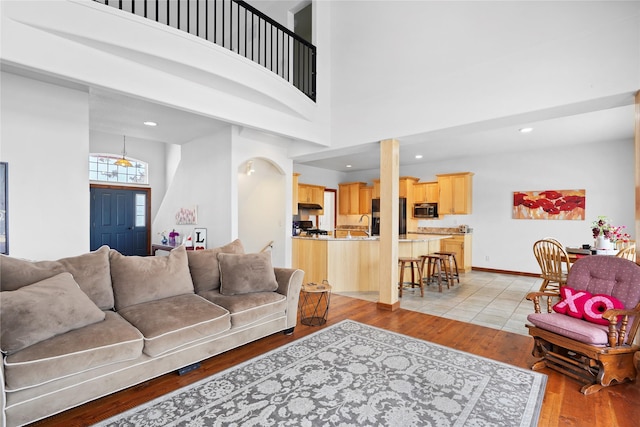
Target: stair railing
(239,27)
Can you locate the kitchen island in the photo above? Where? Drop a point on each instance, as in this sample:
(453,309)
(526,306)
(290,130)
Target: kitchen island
(351,264)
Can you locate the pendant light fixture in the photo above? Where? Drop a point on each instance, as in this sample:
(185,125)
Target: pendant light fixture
(123,162)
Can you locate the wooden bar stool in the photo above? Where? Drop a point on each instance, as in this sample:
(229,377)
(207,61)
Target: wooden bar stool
(451,273)
(410,262)
(435,269)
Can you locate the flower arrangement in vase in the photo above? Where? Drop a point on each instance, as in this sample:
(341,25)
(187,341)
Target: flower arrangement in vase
(607,235)
(172,237)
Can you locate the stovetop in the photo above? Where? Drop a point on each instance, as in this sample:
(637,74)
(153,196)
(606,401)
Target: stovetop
(312,231)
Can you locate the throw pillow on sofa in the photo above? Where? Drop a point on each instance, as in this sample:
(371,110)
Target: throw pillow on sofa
(246,273)
(139,279)
(90,271)
(204,268)
(43,310)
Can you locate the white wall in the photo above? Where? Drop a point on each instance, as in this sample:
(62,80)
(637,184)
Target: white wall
(202,179)
(406,67)
(317,176)
(605,171)
(45,140)
(152,152)
(261,202)
(264,200)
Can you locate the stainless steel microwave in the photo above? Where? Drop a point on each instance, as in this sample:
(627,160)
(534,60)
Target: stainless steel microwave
(425,210)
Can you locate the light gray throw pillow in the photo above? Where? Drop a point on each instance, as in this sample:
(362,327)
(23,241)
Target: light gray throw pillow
(204,268)
(90,271)
(138,279)
(43,310)
(246,273)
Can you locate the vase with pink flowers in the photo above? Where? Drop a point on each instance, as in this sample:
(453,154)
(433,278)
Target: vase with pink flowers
(607,235)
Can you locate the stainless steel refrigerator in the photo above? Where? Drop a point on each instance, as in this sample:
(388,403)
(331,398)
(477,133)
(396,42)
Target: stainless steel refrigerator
(402,217)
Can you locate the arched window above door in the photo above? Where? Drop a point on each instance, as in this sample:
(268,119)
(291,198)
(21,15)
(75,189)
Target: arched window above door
(102,168)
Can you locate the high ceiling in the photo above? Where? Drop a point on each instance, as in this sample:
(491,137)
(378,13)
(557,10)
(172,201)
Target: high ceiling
(606,121)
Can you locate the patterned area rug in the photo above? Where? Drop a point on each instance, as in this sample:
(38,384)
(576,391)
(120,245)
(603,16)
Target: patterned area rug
(352,374)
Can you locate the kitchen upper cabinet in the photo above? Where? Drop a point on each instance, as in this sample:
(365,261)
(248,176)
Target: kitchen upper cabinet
(294,197)
(308,193)
(406,188)
(407,184)
(455,193)
(365,199)
(426,192)
(461,246)
(349,198)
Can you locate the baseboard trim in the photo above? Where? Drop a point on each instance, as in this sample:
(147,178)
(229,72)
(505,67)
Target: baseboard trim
(388,307)
(515,273)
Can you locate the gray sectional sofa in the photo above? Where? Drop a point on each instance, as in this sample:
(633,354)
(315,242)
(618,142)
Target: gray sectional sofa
(79,328)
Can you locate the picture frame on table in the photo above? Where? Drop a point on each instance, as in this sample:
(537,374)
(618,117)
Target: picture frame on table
(4,202)
(199,239)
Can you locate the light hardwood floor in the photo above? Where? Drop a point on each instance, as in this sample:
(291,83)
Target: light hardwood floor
(563,404)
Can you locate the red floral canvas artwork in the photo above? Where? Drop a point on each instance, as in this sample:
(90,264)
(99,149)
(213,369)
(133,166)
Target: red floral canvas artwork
(549,204)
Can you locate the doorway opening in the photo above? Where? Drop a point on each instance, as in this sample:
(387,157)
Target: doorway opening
(327,221)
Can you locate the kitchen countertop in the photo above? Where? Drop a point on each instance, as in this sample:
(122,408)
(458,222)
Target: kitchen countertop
(443,230)
(412,237)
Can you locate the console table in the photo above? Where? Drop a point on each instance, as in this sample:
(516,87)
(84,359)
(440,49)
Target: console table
(155,247)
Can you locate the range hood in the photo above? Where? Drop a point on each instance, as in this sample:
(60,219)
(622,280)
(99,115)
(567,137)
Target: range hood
(309,206)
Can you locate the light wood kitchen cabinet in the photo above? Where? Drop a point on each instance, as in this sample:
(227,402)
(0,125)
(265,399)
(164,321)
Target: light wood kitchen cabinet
(461,246)
(407,184)
(310,255)
(294,204)
(365,200)
(309,193)
(375,194)
(349,198)
(350,265)
(342,234)
(455,193)
(426,192)
(405,188)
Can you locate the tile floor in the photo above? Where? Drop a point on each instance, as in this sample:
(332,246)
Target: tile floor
(488,299)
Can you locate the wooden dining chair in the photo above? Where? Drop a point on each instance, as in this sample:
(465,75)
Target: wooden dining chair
(628,252)
(554,264)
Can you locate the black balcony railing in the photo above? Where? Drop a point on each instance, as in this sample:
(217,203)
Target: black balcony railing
(241,28)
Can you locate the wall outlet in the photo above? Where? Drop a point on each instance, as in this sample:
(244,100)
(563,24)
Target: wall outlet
(486,258)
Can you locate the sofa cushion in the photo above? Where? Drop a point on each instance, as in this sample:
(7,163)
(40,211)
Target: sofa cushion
(246,273)
(111,341)
(204,268)
(170,323)
(90,271)
(577,329)
(139,279)
(43,310)
(246,309)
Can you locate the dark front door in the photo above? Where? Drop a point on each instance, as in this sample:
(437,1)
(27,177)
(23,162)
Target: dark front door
(120,219)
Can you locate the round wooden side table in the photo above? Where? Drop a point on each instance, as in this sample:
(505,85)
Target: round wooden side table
(314,303)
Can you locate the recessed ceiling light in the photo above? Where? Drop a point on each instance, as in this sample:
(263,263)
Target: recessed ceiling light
(348,166)
(150,124)
(418,156)
(525,130)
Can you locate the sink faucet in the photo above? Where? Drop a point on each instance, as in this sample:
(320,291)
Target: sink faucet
(368,224)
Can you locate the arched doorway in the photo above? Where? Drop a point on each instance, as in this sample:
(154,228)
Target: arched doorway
(261,203)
